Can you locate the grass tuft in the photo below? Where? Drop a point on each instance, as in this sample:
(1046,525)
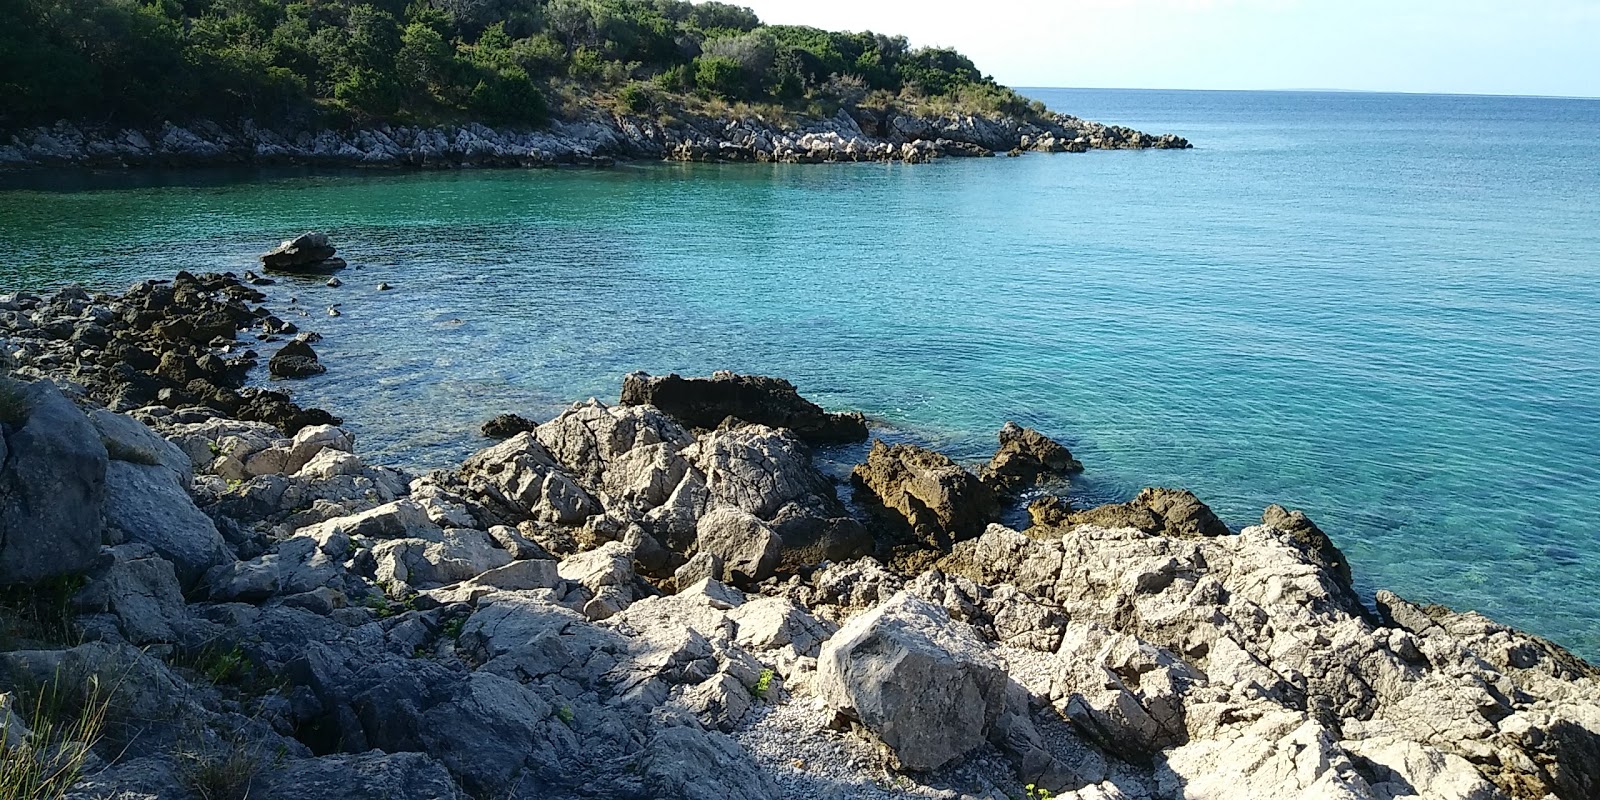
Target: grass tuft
(40,614)
(63,724)
(220,776)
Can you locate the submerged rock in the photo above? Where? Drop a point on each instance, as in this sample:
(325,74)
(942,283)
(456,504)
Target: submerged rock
(707,402)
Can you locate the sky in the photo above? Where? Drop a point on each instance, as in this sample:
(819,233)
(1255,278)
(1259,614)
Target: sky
(1530,47)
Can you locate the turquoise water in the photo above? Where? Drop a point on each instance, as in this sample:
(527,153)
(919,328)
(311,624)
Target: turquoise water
(1382,309)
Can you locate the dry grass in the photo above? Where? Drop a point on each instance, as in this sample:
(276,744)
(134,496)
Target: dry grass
(64,722)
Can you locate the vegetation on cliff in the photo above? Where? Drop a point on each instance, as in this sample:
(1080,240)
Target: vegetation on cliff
(496,61)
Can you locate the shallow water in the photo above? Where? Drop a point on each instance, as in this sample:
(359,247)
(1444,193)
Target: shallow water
(1382,309)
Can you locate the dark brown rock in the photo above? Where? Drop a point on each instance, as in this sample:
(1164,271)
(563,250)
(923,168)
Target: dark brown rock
(707,402)
(941,502)
(1323,551)
(1049,511)
(295,360)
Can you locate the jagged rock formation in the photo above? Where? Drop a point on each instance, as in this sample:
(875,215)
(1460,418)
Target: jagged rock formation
(1024,457)
(611,605)
(929,494)
(709,402)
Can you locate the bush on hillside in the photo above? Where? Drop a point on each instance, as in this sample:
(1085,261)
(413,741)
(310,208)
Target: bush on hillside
(144,61)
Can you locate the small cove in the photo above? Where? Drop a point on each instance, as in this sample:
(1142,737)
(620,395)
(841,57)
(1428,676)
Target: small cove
(1382,309)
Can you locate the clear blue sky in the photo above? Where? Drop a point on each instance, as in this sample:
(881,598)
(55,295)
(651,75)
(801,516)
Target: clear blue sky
(1545,47)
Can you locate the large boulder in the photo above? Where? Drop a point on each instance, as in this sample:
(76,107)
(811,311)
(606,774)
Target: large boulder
(1325,554)
(935,497)
(707,402)
(373,775)
(128,439)
(627,453)
(759,469)
(145,505)
(308,252)
(764,471)
(1026,455)
(456,554)
(746,546)
(139,594)
(52,487)
(921,682)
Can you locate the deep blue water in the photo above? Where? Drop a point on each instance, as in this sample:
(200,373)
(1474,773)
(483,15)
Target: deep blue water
(1383,309)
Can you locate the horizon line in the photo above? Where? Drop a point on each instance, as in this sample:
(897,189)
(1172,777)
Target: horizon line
(1020,87)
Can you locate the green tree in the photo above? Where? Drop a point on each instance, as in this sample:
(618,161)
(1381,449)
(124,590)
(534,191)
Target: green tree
(423,62)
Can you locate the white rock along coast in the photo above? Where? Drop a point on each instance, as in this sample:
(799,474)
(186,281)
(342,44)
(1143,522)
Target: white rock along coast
(664,598)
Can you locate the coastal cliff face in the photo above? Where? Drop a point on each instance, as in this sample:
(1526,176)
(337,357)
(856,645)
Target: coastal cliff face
(598,138)
(618,603)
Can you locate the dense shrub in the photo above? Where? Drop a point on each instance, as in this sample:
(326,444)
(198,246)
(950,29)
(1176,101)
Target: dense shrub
(143,61)
(719,76)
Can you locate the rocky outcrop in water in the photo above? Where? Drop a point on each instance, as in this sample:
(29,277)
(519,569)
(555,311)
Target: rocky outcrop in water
(308,252)
(937,500)
(295,359)
(1024,457)
(505,426)
(710,402)
(614,605)
(597,138)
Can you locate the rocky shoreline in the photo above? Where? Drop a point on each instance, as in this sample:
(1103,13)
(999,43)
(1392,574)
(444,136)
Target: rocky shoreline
(598,139)
(665,598)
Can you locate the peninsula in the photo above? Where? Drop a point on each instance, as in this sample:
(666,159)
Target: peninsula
(108,83)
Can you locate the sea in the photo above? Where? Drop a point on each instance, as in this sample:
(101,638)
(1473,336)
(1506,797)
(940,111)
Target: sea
(1382,309)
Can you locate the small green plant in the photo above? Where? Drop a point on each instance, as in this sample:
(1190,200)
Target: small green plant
(565,714)
(61,730)
(452,629)
(216,449)
(234,484)
(634,99)
(763,684)
(380,605)
(225,666)
(1037,792)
